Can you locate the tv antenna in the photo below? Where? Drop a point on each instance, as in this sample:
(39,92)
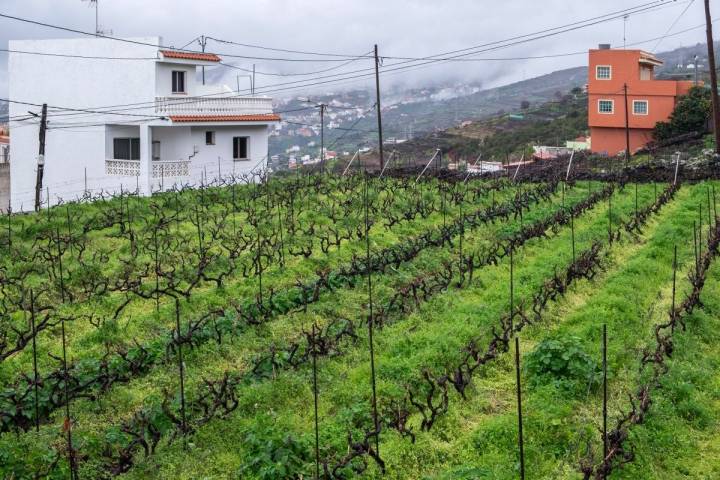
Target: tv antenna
(98,31)
(625,19)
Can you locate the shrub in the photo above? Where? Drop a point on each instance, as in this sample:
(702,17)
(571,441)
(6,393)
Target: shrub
(691,114)
(275,454)
(563,362)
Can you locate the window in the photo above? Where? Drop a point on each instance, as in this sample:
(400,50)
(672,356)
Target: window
(156,150)
(126,148)
(240,148)
(603,72)
(640,107)
(646,73)
(606,106)
(178,81)
(209,138)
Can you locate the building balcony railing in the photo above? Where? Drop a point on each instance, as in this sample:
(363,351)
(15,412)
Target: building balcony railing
(170,168)
(122,168)
(160,168)
(212,105)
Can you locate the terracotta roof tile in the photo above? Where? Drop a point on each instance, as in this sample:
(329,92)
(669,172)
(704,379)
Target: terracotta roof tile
(263,117)
(207,57)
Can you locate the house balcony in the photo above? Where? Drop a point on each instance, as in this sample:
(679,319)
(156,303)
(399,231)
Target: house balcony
(160,168)
(207,105)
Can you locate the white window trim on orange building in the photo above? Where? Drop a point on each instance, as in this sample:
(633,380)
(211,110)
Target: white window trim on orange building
(612,106)
(647,107)
(598,67)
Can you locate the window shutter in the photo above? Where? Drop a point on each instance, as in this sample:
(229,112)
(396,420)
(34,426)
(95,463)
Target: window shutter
(243,147)
(121,149)
(134,149)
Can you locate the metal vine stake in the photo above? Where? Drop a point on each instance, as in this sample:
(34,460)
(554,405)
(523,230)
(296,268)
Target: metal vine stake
(572,233)
(68,422)
(674,286)
(519,408)
(512,289)
(610,236)
(181,368)
(34,353)
(315,395)
(604,367)
(371,320)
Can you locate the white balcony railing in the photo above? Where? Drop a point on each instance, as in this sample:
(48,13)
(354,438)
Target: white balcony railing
(160,168)
(170,168)
(122,168)
(212,105)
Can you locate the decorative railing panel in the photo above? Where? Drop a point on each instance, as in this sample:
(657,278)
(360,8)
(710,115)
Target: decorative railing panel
(122,168)
(212,105)
(169,168)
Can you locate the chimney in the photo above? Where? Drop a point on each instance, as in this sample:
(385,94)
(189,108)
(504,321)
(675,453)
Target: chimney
(604,46)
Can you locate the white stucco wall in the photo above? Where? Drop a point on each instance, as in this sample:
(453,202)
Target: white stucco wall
(212,162)
(73,83)
(175,142)
(163,79)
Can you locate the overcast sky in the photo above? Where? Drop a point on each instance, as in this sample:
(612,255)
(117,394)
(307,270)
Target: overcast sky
(399,27)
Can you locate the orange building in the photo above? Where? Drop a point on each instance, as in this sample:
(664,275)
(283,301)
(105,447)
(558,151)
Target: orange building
(648,100)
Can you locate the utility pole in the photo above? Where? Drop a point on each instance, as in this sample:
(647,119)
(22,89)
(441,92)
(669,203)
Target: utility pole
(627,127)
(41,159)
(252,87)
(322,136)
(713,77)
(377,103)
(203,42)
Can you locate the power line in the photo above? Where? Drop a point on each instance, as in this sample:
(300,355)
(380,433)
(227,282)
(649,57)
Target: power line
(430,60)
(677,19)
(81,109)
(291,74)
(261,47)
(67,55)
(165,47)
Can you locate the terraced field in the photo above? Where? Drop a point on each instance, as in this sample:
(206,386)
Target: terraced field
(356,327)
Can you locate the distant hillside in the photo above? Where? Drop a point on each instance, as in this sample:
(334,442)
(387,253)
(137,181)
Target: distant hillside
(502,135)
(3,112)
(443,114)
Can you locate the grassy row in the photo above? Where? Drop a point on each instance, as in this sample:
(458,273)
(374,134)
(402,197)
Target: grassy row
(428,337)
(561,415)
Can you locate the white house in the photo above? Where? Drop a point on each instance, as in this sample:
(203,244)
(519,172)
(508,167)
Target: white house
(126,115)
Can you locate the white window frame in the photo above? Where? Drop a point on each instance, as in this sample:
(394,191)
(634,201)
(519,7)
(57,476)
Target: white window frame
(647,107)
(612,106)
(212,137)
(247,148)
(156,150)
(181,74)
(130,141)
(597,69)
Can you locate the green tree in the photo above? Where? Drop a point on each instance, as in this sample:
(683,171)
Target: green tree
(691,114)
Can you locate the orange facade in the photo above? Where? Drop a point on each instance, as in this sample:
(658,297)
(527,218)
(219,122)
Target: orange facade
(648,100)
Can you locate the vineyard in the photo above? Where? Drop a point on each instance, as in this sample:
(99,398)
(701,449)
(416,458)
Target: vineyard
(336,327)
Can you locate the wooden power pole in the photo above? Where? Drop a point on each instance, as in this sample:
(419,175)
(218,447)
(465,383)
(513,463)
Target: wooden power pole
(41,158)
(322,137)
(713,77)
(627,127)
(377,103)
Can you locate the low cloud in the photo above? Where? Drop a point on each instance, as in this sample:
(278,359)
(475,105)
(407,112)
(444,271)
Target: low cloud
(400,28)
